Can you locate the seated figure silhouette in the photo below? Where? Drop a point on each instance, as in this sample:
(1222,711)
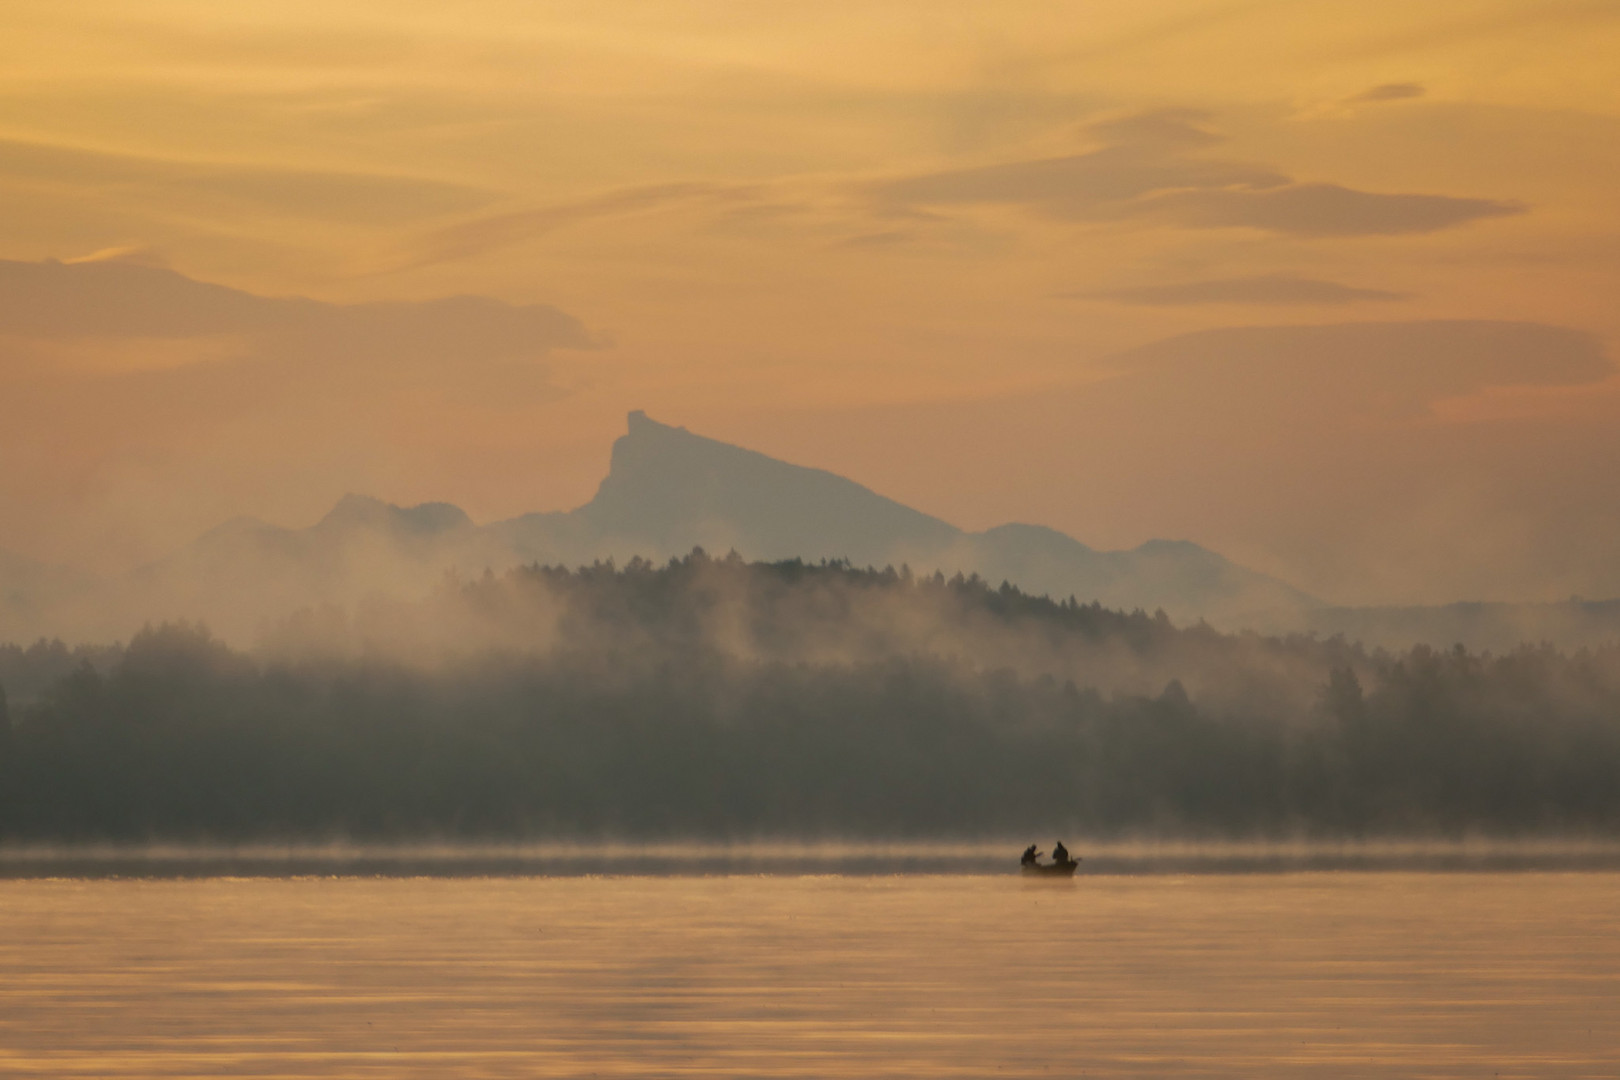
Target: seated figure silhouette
(1031,856)
(1060,854)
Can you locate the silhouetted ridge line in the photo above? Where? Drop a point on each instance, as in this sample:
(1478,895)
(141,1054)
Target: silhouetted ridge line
(667,491)
(668,488)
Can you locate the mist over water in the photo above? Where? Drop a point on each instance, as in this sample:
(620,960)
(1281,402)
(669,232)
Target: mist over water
(1298,975)
(789,857)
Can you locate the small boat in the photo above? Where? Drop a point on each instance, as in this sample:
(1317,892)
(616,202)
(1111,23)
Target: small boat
(1061,869)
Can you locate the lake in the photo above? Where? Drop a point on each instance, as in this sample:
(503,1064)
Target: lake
(1298,974)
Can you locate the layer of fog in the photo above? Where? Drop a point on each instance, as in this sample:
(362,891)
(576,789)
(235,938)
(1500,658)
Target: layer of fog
(722,699)
(811,616)
(790,855)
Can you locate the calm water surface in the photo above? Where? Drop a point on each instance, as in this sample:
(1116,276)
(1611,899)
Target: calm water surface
(1258,975)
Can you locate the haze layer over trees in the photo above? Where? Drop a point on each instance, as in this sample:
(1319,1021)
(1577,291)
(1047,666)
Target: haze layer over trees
(724,699)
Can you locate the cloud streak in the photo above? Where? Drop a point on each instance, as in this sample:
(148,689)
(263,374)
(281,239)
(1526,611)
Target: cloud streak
(1261,289)
(1149,169)
(1321,210)
(478,235)
(366,197)
(1403,91)
(1393,368)
(112,298)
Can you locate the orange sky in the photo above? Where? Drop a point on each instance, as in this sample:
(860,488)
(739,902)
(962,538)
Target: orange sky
(942,248)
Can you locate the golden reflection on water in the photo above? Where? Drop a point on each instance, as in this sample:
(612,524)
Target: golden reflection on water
(1289,975)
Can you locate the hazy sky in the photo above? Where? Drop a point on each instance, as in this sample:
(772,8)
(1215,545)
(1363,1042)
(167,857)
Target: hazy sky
(1045,262)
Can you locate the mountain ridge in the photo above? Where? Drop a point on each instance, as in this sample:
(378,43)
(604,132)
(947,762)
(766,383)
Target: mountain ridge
(667,490)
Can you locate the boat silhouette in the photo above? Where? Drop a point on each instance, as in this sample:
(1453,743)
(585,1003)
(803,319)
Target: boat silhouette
(1062,869)
(1062,865)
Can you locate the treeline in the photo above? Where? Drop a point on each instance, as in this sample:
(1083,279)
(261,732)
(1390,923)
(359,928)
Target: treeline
(27,673)
(716,698)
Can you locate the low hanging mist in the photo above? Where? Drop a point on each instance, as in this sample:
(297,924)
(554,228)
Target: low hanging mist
(716,698)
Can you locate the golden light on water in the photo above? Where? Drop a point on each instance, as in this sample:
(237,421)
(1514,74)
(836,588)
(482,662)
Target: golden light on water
(1298,975)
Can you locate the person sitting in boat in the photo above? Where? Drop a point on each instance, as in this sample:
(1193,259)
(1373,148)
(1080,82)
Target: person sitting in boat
(1031,856)
(1060,854)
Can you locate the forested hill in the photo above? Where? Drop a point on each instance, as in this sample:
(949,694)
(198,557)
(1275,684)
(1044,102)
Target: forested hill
(722,699)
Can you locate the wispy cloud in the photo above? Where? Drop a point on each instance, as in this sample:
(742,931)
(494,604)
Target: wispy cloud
(481,234)
(1392,368)
(221,187)
(1144,154)
(888,238)
(1149,168)
(1402,91)
(1321,210)
(1260,289)
(126,253)
(105,296)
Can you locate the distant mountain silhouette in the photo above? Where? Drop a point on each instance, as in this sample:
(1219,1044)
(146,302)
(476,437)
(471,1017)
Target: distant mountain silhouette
(1482,626)
(669,490)
(666,492)
(1180,577)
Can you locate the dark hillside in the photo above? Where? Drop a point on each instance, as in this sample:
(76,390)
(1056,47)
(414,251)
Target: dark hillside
(719,698)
